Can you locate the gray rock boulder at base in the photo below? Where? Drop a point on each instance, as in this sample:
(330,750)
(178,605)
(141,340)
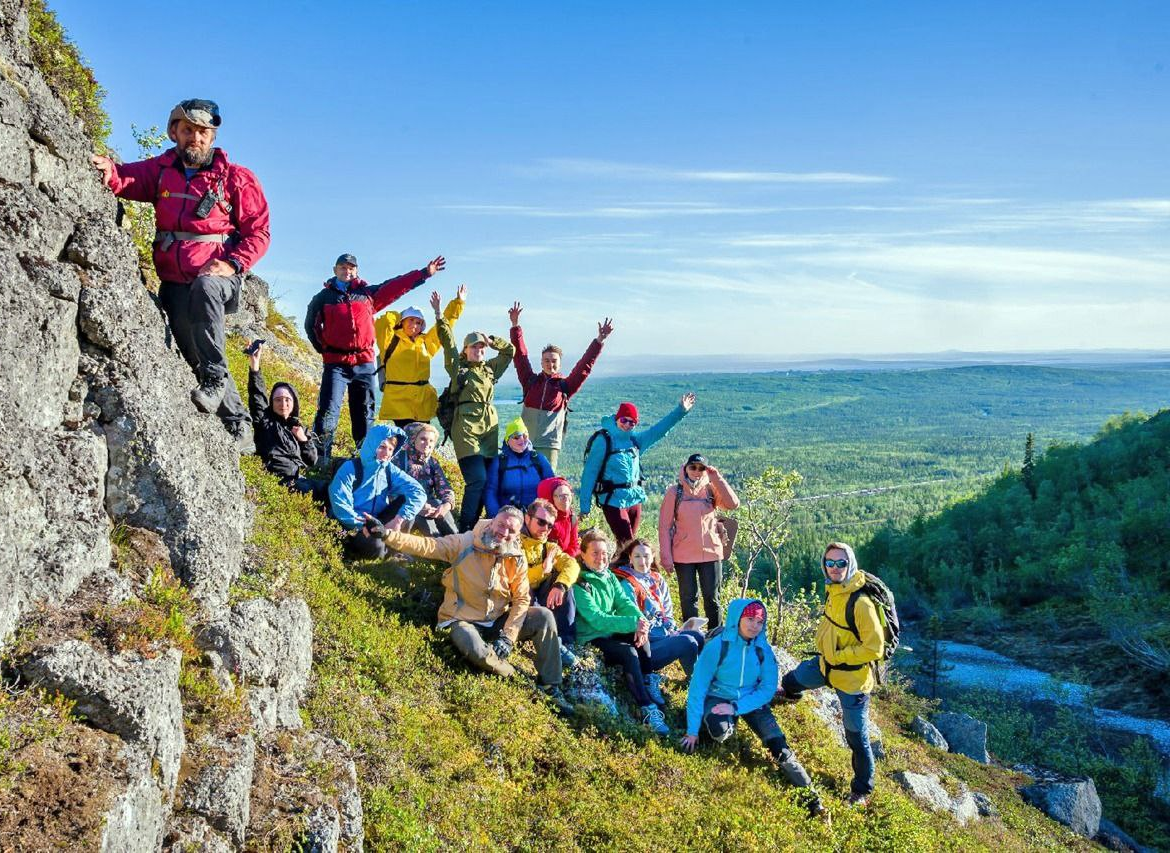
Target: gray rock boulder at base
(965,735)
(1073,802)
(929,733)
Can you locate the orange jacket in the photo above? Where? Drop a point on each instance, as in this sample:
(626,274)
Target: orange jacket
(686,527)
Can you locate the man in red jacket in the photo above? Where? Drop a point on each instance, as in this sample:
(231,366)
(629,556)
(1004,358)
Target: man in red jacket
(340,326)
(212,227)
(546,394)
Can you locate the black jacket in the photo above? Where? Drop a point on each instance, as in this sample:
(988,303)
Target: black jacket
(283,455)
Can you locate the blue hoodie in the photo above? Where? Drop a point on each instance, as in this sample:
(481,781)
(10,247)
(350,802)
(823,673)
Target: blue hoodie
(739,679)
(381,483)
(624,465)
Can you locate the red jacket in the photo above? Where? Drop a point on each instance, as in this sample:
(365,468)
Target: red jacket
(564,531)
(162,181)
(550,393)
(340,326)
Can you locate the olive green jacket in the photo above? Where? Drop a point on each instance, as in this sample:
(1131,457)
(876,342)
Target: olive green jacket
(476,425)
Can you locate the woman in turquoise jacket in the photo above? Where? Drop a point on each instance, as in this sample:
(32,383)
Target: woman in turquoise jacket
(735,677)
(613,466)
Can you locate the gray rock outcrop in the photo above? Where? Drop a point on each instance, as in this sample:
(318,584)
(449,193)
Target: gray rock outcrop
(929,733)
(928,790)
(137,817)
(1073,802)
(220,791)
(965,735)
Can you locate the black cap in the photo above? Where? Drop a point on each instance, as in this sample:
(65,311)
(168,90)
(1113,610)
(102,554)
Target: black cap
(346,259)
(697,459)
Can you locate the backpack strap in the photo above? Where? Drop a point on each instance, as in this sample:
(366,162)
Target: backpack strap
(394,339)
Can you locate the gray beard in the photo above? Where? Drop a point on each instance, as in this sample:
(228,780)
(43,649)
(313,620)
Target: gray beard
(192,159)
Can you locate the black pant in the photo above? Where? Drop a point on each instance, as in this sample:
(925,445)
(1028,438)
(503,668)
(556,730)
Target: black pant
(566,614)
(362,545)
(619,650)
(444,525)
(195,314)
(474,470)
(710,578)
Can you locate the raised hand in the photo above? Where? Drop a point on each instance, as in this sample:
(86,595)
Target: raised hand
(461,293)
(437,265)
(687,401)
(436,302)
(514,313)
(604,330)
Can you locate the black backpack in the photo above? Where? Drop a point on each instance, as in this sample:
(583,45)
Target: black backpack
(887,611)
(604,487)
(723,649)
(449,402)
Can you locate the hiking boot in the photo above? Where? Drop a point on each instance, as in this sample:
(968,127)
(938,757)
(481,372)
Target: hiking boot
(209,395)
(817,808)
(858,801)
(654,689)
(784,698)
(556,696)
(241,433)
(568,659)
(655,720)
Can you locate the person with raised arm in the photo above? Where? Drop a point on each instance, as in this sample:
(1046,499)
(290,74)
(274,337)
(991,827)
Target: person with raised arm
(282,442)
(547,393)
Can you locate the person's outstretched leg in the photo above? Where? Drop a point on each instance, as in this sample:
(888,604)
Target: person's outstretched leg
(467,639)
(855,713)
(363,399)
(540,627)
(619,651)
(474,469)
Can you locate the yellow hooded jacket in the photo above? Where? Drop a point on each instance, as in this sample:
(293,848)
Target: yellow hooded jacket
(544,558)
(410,363)
(480,585)
(838,645)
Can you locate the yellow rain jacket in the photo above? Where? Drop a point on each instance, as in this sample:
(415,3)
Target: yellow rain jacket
(839,646)
(406,385)
(480,585)
(545,558)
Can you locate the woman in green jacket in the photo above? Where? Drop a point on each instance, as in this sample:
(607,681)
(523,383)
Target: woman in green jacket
(475,424)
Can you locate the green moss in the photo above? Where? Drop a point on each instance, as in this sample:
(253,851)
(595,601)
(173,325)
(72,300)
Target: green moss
(66,72)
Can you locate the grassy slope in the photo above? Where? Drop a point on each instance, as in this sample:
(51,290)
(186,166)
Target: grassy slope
(449,758)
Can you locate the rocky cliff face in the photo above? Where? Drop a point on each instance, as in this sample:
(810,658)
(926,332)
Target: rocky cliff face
(99,444)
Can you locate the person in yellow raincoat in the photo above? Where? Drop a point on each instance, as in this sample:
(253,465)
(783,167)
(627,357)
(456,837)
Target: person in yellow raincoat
(845,660)
(405,350)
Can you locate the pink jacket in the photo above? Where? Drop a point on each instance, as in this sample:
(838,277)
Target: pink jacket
(688,534)
(162,181)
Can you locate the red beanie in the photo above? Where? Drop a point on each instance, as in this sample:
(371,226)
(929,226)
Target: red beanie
(627,410)
(755,610)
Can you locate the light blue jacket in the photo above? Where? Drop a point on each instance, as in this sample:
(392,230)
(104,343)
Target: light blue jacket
(381,483)
(625,465)
(740,678)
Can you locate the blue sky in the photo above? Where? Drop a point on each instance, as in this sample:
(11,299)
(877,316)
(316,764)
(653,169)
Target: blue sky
(765,179)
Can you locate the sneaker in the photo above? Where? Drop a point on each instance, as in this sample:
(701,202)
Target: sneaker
(858,801)
(655,720)
(209,395)
(654,689)
(556,696)
(241,432)
(568,659)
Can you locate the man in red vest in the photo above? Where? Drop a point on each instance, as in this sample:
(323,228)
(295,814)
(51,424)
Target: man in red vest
(212,227)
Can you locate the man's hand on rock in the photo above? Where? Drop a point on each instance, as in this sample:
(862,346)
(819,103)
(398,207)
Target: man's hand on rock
(104,165)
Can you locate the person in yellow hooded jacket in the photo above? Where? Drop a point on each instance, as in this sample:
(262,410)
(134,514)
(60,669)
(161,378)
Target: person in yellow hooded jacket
(551,573)
(845,661)
(405,350)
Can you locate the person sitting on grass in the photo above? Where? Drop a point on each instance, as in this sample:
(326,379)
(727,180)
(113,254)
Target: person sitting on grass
(416,458)
(845,660)
(551,573)
(370,495)
(487,602)
(282,441)
(609,619)
(514,475)
(641,581)
(559,493)
(735,678)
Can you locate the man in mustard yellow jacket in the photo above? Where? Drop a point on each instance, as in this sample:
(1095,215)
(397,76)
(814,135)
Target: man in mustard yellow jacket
(487,597)
(551,573)
(845,661)
(405,350)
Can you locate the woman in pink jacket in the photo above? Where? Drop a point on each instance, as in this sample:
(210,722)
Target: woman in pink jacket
(688,538)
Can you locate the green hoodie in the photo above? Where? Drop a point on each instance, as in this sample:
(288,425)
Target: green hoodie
(603,608)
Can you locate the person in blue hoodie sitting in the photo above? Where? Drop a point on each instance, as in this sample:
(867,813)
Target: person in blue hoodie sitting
(513,475)
(735,678)
(369,495)
(613,466)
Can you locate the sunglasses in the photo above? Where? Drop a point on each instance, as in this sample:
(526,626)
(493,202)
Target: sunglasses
(543,522)
(836,564)
(627,421)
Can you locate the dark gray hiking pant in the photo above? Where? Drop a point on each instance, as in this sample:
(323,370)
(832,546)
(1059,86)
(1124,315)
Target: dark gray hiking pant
(473,640)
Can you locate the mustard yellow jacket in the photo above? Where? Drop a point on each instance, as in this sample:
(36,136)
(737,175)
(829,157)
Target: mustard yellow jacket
(480,585)
(545,558)
(406,388)
(838,645)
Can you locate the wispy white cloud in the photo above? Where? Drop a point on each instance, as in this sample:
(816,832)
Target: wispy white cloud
(630,210)
(587,168)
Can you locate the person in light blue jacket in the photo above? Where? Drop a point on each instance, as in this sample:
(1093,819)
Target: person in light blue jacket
(735,677)
(369,495)
(613,466)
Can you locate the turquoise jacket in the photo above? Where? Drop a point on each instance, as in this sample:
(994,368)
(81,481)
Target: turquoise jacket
(746,678)
(624,466)
(603,608)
